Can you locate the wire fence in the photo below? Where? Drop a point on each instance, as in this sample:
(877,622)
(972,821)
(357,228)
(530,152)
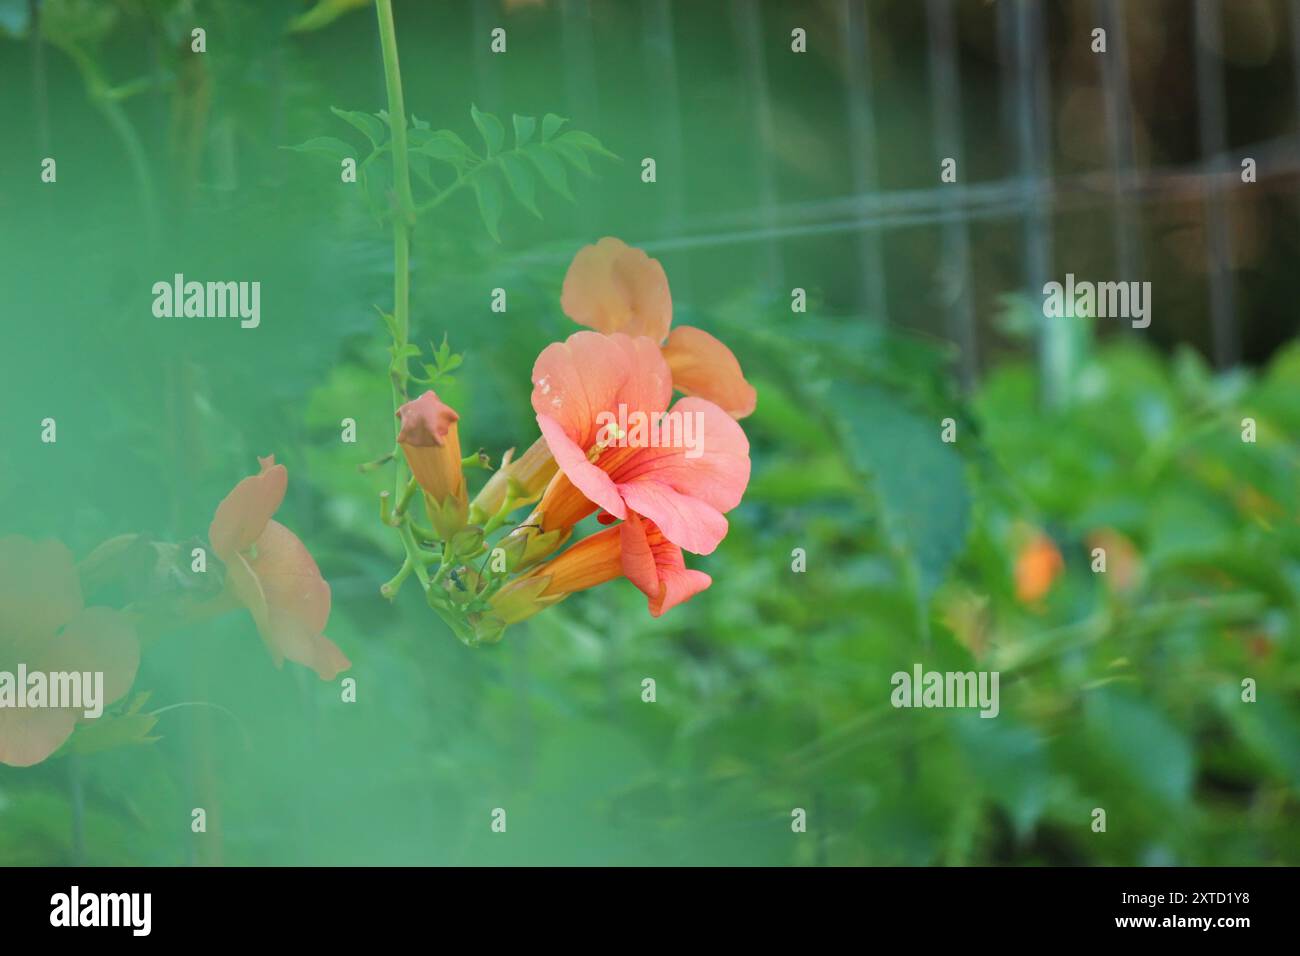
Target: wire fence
(1031,198)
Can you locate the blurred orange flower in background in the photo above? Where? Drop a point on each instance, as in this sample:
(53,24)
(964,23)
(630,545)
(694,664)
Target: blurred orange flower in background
(1038,565)
(1123,563)
(45,626)
(270,572)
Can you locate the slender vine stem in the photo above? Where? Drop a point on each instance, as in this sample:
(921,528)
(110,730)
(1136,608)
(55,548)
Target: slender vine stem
(401,221)
(399,373)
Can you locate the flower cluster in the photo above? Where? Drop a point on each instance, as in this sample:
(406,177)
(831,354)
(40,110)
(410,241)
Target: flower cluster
(659,497)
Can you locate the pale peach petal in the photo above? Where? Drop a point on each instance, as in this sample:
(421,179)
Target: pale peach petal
(39,590)
(297,597)
(99,639)
(326,658)
(29,736)
(703,366)
(243,514)
(244,585)
(612,287)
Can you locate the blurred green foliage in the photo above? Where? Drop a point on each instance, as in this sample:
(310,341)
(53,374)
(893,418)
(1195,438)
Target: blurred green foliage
(1119,691)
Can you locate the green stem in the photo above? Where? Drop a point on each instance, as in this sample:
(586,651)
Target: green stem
(401,221)
(405,501)
(414,555)
(498,519)
(101,95)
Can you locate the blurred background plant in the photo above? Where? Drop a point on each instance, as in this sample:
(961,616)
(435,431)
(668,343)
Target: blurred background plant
(775,171)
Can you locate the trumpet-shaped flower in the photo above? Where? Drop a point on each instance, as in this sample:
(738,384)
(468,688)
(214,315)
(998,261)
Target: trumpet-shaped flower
(584,385)
(635,549)
(612,287)
(270,572)
(430,441)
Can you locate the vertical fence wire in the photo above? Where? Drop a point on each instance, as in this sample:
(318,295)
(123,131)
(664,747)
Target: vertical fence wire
(1295,57)
(945,98)
(747,18)
(1027,44)
(661,64)
(1212,130)
(486,82)
(580,83)
(1119,141)
(864,170)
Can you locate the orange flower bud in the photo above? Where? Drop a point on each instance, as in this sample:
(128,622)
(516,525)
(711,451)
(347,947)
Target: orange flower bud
(431,444)
(592,561)
(527,476)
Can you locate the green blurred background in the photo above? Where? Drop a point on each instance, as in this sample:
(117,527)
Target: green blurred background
(775,170)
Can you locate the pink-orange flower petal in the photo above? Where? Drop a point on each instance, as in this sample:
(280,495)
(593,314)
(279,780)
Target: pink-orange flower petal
(583,384)
(44,626)
(702,366)
(243,514)
(612,287)
(297,601)
(99,640)
(276,578)
(39,589)
(656,566)
(29,736)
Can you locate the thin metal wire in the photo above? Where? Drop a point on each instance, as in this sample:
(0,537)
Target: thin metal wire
(747,18)
(1033,136)
(1212,133)
(580,83)
(661,64)
(999,200)
(862,150)
(486,80)
(945,97)
(1119,140)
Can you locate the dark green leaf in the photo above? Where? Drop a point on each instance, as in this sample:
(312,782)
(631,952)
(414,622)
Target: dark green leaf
(551,125)
(490,128)
(487,189)
(443,145)
(588,142)
(373,128)
(550,167)
(521,181)
(920,481)
(572,153)
(524,127)
(336,149)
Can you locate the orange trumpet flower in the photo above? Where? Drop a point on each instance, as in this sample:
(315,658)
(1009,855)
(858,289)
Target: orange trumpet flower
(270,572)
(602,406)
